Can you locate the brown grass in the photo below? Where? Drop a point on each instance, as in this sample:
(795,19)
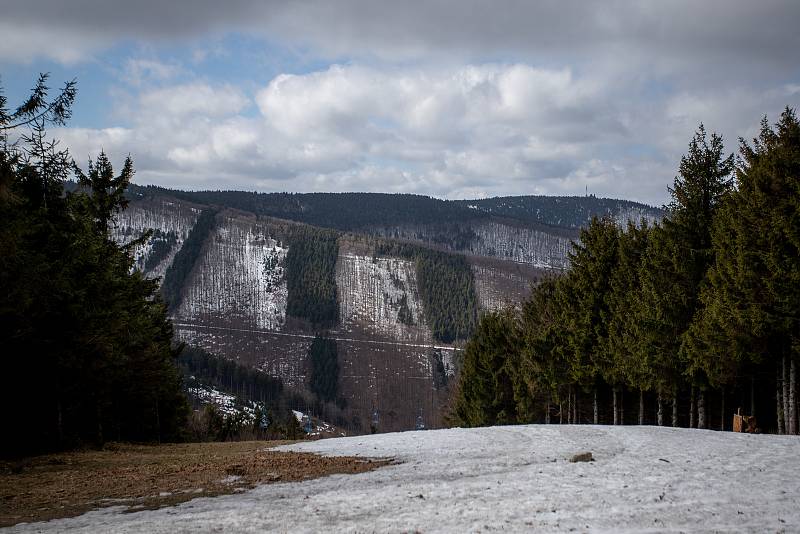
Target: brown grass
(151,476)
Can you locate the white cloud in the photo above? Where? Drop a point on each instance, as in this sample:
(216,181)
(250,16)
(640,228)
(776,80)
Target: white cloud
(138,71)
(454,132)
(193,100)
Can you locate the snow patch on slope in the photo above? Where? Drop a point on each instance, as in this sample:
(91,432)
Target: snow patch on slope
(227,404)
(374,292)
(240,278)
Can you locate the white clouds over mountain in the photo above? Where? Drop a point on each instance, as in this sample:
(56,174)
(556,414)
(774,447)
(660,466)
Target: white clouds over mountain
(457,132)
(445,98)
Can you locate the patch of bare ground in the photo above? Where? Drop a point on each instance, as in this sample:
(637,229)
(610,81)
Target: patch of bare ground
(152,476)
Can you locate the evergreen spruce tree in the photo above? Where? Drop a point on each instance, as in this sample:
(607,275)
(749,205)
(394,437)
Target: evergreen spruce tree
(677,260)
(619,346)
(486,391)
(585,303)
(104,362)
(544,366)
(751,315)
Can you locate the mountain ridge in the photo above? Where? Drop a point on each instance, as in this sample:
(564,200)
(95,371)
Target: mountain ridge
(352,211)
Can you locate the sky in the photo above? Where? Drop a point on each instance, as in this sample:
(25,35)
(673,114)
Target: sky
(448,98)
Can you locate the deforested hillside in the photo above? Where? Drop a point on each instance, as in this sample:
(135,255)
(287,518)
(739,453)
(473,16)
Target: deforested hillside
(505,239)
(446,289)
(499,284)
(380,296)
(239,277)
(171,221)
(392,306)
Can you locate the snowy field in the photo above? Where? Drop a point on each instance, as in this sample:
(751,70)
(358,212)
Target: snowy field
(514,478)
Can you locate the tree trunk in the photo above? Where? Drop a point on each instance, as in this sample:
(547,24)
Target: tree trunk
(569,405)
(560,413)
(779,402)
(792,398)
(641,407)
(786,422)
(547,410)
(722,410)
(691,410)
(615,408)
(622,406)
(100,440)
(675,410)
(701,409)
(752,395)
(660,412)
(60,423)
(575,407)
(594,407)
(158,422)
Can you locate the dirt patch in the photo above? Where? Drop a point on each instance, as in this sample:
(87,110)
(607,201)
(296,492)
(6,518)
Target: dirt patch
(146,477)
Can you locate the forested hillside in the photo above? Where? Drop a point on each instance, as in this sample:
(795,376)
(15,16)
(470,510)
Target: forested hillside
(359,211)
(311,276)
(566,212)
(680,322)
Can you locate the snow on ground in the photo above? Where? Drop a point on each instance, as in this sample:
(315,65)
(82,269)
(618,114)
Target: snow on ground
(515,478)
(227,404)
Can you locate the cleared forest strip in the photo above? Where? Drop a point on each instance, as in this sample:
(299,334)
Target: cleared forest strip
(310,336)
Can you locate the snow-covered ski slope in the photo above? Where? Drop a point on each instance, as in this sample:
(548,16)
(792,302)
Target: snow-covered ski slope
(515,478)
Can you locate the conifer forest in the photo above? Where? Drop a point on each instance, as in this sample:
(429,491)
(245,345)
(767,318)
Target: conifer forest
(681,322)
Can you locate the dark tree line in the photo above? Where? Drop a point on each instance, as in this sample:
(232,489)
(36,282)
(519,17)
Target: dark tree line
(311,276)
(446,286)
(272,418)
(161,244)
(363,211)
(340,211)
(178,272)
(228,375)
(86,341)
(323,357)
(679,323)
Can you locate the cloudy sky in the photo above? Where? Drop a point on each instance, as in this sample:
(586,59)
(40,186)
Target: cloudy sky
(449,98)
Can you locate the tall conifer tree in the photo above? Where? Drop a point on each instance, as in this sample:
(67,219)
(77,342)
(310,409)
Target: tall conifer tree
(678,258)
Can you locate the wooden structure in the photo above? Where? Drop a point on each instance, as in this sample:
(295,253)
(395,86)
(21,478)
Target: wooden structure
(744,423)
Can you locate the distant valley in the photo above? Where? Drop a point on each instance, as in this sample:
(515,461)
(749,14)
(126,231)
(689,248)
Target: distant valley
(378,289)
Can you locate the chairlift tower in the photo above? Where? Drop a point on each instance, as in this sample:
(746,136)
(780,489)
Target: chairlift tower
(420,421)
(375,421)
